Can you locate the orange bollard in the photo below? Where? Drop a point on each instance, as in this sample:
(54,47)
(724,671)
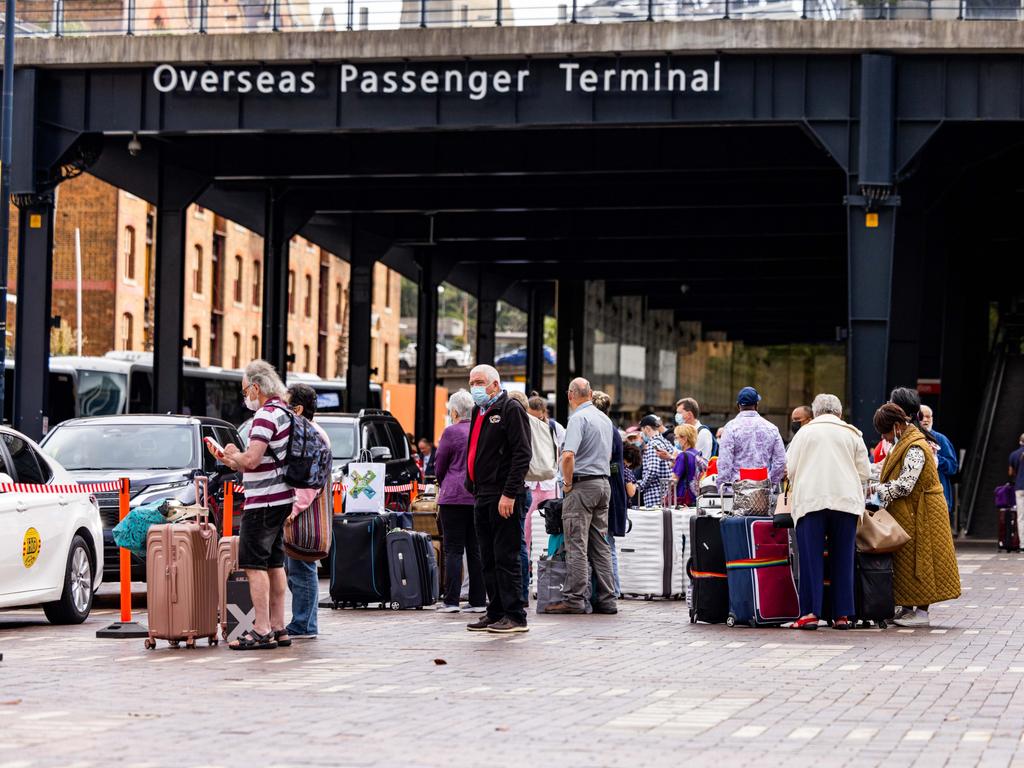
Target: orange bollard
(229,508)
(414,491)
(126,628)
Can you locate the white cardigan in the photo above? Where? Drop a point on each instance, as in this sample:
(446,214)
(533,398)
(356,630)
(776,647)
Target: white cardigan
(827,463)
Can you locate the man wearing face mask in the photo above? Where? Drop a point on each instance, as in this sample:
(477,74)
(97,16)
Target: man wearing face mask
(800,417)
(657,472)
(497,460)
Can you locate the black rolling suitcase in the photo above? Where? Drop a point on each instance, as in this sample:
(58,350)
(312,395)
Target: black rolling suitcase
(706,569)
(873,588)
(413,569)
(359,560)
(1009,536)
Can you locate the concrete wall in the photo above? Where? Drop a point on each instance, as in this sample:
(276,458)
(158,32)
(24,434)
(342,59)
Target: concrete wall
(728,36)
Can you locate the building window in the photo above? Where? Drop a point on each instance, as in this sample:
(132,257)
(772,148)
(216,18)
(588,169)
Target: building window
(257,288)
(387,358)
(129,253)
(291,356)
(127,331)
(338,309)
(197,270)
(308,308)
(238,279)
(255,347)
(306,358)
(387,288)
(291,292)
(236,353)
(195,341)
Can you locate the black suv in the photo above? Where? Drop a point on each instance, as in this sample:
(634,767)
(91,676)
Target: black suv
(160,455)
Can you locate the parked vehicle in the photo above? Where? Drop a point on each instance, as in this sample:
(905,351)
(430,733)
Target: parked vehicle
(160,455)
(518,357)
(446,358)
(52,542)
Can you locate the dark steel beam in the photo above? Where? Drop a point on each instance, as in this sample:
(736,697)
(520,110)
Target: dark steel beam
(364,251)
(32,347)
(426,347)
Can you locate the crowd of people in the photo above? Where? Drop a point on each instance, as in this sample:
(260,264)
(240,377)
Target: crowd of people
(503,455)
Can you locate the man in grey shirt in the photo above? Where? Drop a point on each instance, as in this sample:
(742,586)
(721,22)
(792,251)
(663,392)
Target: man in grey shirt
(586,458)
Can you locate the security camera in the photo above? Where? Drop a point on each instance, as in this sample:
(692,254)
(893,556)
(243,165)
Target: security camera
(134,145)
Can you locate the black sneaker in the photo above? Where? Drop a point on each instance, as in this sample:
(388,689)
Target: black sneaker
(481,624)
(506,627)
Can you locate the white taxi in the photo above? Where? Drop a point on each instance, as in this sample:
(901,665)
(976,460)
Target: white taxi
(51,544)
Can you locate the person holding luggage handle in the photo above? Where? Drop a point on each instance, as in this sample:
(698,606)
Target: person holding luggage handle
(924,570)
(268,502)
(827,464)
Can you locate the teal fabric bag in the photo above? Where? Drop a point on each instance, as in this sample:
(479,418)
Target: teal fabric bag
(131,532)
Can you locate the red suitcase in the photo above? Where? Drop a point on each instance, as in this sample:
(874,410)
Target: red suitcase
(762,591)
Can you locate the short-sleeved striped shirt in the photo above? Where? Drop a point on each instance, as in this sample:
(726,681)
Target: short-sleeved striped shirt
(265,485)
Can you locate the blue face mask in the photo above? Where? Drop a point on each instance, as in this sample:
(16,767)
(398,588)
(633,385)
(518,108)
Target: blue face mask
(646,439)
(679,418)
(480,396)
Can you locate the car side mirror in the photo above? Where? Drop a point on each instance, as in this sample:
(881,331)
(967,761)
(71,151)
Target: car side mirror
(380,452)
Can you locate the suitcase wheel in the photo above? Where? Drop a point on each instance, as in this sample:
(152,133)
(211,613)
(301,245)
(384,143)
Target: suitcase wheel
(213,640)
(174,643)
(394,606)
(753,624)
(730,621)
(150,643)
(882,623)
(693,618)
(190,643)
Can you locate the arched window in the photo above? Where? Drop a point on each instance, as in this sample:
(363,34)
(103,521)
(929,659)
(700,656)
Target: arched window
(308,309)
(197,270)
(306,358)
(238,279)
(255,347)
(291,356)
(129,253)
(338,303)
(236,353)
(127,331)
(257,288)
(291,292)
(195,341)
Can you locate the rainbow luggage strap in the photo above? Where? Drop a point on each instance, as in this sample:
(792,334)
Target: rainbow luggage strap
(755,562)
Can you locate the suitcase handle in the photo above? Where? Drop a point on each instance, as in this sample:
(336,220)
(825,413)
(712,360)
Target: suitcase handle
(174,582)
(203,499)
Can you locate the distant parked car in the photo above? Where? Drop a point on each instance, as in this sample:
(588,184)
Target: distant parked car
(518,357)
(446,358)
(52,543)
(160,455)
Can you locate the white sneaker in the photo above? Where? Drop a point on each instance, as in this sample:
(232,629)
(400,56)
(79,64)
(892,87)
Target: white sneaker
(913,618)
(448,609)
(475,609)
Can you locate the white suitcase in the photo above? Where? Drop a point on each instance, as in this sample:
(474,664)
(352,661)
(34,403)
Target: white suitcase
(538,546)
(651,555)
(713,504)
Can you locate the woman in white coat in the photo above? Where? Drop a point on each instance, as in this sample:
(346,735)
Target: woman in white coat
(828,465)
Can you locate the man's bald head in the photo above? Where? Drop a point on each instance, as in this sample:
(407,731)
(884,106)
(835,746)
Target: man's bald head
(579,391)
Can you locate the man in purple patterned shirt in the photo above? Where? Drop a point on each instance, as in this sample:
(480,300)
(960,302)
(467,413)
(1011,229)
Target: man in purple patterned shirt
(750,442)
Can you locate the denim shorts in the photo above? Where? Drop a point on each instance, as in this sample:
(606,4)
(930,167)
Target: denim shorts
(261,537)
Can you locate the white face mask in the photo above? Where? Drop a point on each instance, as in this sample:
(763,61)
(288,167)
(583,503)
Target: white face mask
(253,404)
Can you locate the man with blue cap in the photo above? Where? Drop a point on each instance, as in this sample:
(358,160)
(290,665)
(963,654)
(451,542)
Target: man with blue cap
(750,442)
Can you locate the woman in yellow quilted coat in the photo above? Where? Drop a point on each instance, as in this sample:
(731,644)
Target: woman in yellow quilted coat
(925,569)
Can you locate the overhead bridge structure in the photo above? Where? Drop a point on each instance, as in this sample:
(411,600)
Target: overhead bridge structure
(781,181)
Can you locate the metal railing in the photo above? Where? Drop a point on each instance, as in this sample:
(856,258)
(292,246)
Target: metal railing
(148,17)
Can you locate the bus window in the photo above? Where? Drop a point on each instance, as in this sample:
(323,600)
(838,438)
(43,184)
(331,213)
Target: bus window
(141,392)
(101,393)
(61,405)
(328,401)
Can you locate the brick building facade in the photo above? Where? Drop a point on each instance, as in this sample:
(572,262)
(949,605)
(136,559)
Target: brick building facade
(223,286)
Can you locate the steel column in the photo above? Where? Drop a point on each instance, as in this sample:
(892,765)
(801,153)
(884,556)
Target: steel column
(33,323)
(486,321)
(564,310)
(535,338)
(274,341)
(426,345)
(360,313)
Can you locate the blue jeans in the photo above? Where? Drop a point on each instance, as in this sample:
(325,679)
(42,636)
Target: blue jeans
(305,589)
(615,565)
(524,553)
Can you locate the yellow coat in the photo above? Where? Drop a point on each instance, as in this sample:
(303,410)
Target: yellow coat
(925,569)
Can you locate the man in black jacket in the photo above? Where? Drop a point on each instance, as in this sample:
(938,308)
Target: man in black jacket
(496,463)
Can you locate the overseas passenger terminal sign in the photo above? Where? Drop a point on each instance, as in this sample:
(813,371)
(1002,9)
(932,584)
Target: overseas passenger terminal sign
(420,93)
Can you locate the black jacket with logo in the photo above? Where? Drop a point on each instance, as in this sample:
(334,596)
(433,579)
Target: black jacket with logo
(503,450)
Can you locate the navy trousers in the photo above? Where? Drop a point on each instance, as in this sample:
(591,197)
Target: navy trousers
(841,528)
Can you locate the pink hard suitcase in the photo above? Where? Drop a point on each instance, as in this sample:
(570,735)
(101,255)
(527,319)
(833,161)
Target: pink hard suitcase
(181,582)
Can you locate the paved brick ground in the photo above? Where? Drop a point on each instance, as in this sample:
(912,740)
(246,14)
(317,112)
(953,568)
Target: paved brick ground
(644,688)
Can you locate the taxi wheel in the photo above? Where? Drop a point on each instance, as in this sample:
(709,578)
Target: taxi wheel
(76,599)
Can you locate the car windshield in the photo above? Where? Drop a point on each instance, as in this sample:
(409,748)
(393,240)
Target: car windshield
(343,438)
(122,446)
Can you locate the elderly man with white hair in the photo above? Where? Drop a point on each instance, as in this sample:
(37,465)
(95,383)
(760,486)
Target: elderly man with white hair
(497,459)
(268,503)
(827,464)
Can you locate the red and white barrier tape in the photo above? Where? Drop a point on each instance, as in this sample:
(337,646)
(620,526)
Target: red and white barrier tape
(341,488)
(112,485)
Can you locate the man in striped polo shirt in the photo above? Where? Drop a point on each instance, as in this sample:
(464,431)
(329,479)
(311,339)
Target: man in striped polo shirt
(268,502)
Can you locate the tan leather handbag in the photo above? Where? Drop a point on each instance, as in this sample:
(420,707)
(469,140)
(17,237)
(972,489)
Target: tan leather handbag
(878,532)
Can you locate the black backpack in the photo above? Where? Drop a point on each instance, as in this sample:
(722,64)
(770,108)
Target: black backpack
(307,459)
